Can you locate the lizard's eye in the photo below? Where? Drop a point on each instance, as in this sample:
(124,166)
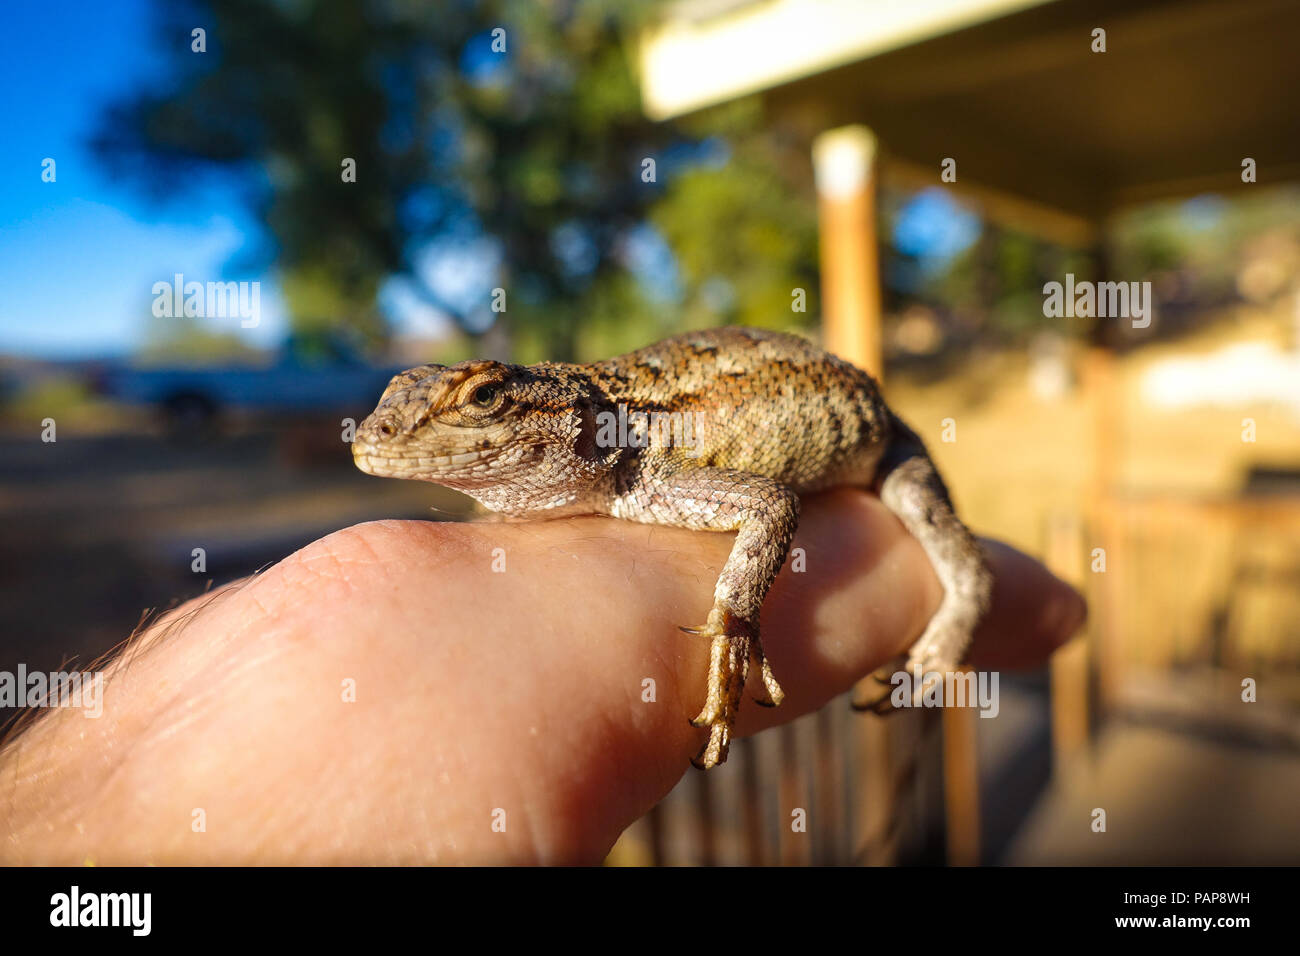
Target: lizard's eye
(485,395)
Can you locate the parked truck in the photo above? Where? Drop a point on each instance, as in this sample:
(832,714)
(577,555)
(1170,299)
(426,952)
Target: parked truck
(308,375)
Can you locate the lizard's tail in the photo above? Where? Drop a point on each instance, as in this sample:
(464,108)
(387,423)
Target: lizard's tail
(910,487)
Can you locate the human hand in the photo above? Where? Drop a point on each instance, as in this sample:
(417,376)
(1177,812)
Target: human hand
(474,691)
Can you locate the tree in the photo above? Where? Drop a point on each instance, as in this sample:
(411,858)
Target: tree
(511,119)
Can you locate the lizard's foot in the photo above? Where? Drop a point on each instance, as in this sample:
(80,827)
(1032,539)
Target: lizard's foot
(773,695)
(925,673)
(936,654)
(884,676)
(729,655)
(880,704)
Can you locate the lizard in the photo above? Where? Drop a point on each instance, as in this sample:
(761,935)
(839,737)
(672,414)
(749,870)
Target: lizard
(742,422)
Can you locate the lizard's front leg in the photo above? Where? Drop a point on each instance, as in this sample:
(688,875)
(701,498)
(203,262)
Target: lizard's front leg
(765,514)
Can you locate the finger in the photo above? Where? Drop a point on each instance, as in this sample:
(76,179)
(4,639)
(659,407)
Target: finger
(1033,613)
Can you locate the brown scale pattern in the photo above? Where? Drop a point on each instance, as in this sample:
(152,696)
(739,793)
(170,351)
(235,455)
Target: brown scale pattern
(773,416)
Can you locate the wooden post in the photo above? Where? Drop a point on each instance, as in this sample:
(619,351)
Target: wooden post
(793,849)
(1101,382)
(844,164)
(655,830)
(961,785)
(705,820)
(1070,674)
(751,803)
(875,835)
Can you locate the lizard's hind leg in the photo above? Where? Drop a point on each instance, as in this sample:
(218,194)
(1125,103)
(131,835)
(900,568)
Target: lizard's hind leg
(911,488)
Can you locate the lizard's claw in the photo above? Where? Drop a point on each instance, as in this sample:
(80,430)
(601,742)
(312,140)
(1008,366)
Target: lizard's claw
(925,677)
(729,655)
(880,705)
(884,676)
(923,680)
(773,695)
(715,751)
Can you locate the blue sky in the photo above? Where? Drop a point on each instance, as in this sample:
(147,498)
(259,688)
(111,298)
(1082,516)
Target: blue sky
(79,256)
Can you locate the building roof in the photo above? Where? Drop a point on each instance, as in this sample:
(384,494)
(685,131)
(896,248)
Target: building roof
(1011,89)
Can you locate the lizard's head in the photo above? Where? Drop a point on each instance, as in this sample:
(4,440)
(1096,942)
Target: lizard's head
(481,425)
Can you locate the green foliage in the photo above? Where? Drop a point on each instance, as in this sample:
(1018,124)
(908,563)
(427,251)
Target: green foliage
(63,399)
(744,242)
(180,340)
(1169,235)
(448,137)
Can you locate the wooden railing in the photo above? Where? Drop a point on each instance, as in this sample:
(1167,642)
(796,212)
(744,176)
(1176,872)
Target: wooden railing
(1210,582)
(832,788)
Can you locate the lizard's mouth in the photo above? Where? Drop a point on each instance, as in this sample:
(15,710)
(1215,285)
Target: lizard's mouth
(388,462)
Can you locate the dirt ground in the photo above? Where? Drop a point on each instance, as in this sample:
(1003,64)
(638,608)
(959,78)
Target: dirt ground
(100,527)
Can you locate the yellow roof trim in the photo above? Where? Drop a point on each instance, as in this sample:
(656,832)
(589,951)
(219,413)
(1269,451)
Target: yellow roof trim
(688,63)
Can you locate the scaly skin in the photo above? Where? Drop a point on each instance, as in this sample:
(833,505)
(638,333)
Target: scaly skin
(754,419)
